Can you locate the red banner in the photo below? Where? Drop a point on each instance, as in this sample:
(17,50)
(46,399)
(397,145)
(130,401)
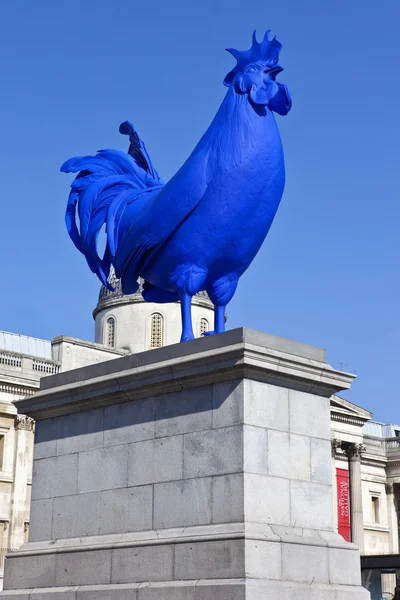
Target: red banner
(342,485)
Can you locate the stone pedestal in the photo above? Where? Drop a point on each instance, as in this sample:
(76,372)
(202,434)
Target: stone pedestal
(199,471)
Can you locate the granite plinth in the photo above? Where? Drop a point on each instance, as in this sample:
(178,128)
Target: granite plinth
(199,471)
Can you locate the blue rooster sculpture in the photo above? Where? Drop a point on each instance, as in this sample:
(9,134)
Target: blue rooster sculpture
(202,229)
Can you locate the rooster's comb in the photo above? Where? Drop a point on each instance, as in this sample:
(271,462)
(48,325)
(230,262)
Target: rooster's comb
(266,51)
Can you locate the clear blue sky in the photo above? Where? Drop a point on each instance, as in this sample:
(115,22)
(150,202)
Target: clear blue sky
(328,273)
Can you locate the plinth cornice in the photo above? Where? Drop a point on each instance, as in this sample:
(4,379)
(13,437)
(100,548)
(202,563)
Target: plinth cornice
(236,354)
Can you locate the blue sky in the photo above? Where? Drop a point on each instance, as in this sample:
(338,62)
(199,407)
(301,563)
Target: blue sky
(328,273)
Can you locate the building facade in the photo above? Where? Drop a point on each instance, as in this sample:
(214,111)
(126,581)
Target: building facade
(365,454)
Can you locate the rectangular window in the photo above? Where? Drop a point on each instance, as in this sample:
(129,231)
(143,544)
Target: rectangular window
(375,502)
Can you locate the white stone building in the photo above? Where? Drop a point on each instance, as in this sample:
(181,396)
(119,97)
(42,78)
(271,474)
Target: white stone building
(365,454)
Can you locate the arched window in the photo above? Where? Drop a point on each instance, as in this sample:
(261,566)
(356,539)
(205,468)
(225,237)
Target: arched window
(110,332)
(203,326)
(156,330)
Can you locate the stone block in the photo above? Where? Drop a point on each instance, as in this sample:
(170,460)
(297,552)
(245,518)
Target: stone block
(76,516)
(263,559)
(309,415)
(307,564)
(126,509)
(29,571)
(228,397)
(228,498)
(344,567)
(58,593)
(142,563)
(108,592)
(266,499)
(155,461)
(221,591)
(278,453)
(41,518)
(255,450)
(311,505)
(129,422)
(299,457)
(184,412)
(80,431)
(183,503)
(345,592)
(209,560)
(103,469)
(83,568)
(46,433)
(17,595)
(215,452)
(56,476)
(266,405)
(321,463)
(167,591)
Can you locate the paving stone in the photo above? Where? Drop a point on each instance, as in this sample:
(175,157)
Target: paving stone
(215,452)
(56,476)
(80,431)
(155,461)
(129,422)
(126,509)
(184,412)
(183,503)
(103,469)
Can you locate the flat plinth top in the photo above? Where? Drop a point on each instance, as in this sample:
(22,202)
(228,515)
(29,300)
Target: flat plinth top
(234,355)
(185,349)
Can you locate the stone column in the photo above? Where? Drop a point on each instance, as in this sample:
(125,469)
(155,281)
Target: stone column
(392,519)
(354,452)
(23,426)
(336,444)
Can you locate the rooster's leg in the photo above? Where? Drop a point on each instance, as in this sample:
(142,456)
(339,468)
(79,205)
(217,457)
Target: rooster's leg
(220,294)
(186,311)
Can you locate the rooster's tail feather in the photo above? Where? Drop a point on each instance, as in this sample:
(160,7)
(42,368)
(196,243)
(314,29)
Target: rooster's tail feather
(105,185)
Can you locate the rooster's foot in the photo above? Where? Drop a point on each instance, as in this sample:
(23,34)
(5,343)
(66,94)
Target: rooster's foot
(187,338)
(209,332)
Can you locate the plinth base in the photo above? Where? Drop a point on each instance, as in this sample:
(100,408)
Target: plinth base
(196,472)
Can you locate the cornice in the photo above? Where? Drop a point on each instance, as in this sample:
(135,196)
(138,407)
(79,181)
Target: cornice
(349,419)
(173,368)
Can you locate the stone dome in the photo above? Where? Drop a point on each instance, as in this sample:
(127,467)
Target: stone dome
(108,298)
(129,322)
